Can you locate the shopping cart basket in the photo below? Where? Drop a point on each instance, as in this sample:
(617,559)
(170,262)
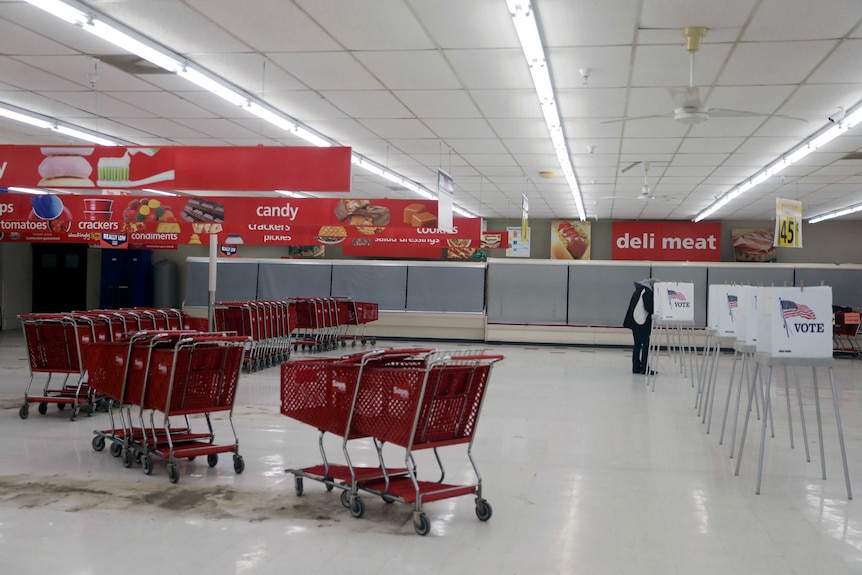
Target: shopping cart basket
(199,375)
(118,370)
(57,345)
(424,404)
(322,393)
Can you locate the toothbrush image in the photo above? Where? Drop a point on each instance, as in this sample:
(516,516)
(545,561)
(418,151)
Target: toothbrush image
(114,172)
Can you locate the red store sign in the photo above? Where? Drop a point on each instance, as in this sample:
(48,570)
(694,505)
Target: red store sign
(177,167)
(667,241)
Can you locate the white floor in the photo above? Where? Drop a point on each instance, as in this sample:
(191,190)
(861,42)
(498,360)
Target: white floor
(586,469)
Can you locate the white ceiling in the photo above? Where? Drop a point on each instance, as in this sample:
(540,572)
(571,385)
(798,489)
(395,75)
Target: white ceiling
(417,85)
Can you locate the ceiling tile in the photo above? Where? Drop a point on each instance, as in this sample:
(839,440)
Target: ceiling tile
(410,70)
(592,102)
(669,66)
(761,63)
(504,69)
(507,103)
(606,66)
(460,128)
(163,104)
(327,70)
(389,128)
(777,20)
(257,74)
(367,104)
(478,24)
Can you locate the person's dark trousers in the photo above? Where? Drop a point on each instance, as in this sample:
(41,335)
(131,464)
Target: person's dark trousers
(639,353)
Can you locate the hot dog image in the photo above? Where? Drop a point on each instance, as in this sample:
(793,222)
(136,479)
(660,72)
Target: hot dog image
(570,241)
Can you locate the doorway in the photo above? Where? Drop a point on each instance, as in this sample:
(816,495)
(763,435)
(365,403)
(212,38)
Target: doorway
(59,277)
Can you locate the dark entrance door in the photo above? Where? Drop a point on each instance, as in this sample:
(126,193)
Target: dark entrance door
(59,277)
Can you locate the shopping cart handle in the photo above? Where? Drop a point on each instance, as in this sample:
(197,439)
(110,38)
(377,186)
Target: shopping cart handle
(408,351)
(476,357)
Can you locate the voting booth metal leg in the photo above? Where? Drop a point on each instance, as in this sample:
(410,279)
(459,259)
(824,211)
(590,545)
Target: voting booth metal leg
(789,412)
(767,409)
(840,434)
(729,392)
(692,357)
(711,401)
(801,414)
(766,406)
(751,394)
(745,377)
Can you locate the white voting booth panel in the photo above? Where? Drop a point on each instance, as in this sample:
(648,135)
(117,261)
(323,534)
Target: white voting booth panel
(724,308)
(795,322)
(712,310)
(673,302)
(749,297)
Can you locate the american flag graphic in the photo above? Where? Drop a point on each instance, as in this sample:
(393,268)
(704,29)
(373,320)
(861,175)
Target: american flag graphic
(671,295)
(792,309)
(732,301)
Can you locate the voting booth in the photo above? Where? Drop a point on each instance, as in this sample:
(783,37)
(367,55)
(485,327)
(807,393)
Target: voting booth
(795,322)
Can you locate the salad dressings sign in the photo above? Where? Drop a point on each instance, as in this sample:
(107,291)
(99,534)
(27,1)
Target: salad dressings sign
(788,223)
(795,322)
(666,241)
(673,301)
(177,167)
(570,240)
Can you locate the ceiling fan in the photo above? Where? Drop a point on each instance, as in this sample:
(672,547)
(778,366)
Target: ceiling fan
(646,193)
(688,106)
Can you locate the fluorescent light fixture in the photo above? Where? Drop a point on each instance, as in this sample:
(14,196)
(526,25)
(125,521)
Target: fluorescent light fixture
(834,214)
(271,117)
(462,212)
(818,140)
(34,191)
(135,46)
(158,192)
(291,194)
(25,118)
(214,86)
(312,138)
(83,135)
(527,29)
(61,10)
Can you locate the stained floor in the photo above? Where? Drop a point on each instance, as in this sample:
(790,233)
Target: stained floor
(588,471)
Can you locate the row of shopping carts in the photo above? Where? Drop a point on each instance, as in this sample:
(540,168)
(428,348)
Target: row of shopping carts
(412,398)
(58,346)
(154,380)
(310,324)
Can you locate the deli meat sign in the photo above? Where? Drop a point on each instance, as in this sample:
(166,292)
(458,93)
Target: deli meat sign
(667,241)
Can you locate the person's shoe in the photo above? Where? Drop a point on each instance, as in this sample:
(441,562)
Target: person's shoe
(651,372)
(636,371)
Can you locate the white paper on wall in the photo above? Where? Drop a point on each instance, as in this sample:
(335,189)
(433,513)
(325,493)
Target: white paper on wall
(674,301)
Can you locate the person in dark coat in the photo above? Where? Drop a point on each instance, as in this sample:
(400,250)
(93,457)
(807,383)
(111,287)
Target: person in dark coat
(639,320)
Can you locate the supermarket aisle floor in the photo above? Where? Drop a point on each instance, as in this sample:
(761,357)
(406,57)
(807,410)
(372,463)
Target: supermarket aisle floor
(587,472)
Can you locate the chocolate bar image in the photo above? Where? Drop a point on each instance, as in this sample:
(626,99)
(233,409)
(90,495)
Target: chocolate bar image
(424,220)
(371,216)
(346,208)
(197,210)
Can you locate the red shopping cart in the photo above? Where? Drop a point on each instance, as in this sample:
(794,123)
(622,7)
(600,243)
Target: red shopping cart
(57,344)
(322,393)
(418,404)
(199,375)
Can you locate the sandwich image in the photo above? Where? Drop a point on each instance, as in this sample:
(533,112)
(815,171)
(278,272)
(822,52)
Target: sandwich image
(66,167)
(331,235)
(570,242)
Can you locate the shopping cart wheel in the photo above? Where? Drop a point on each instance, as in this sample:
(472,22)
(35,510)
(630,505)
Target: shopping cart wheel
(99,443)
(147,464)
(357,509)
(212,459)
(238,464)
(297,483)
(483,510)
(353,344)
(61,406)
(173,473)
(116,449)
(24,412)
(345,498)
(421,524)
(43,408)
(128,458)
(74,415)
(387,498)
(343,344)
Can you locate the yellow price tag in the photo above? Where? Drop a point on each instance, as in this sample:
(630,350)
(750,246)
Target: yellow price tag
(789,232)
